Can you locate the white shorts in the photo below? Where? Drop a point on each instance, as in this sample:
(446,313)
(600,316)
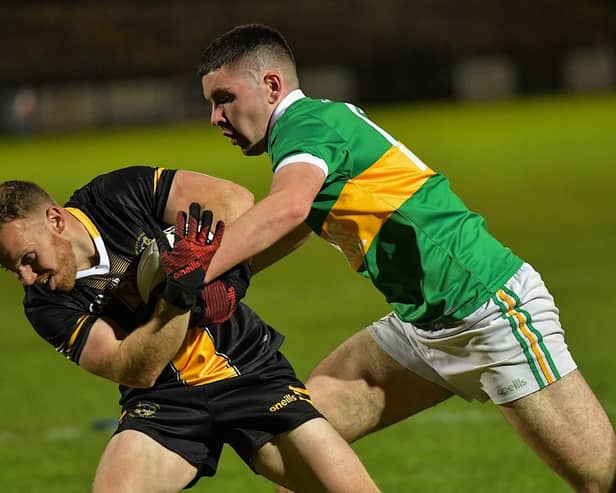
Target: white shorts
(510,347)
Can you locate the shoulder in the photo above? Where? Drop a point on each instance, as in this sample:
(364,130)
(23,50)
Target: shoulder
(135,187)
(125,180)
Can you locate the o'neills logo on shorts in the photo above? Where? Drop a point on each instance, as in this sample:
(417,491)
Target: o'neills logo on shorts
(299,394)
(516,384)
(286,400)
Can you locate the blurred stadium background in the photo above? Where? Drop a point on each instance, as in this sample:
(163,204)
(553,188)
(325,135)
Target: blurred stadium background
(514,101)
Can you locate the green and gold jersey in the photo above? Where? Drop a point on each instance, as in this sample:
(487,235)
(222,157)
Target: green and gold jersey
(396,220)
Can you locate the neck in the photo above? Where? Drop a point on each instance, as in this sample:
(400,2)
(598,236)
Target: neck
(86,255)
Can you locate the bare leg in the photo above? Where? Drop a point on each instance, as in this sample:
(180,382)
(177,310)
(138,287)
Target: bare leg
(134,463)
(361,389)
(567,427)
(313,458)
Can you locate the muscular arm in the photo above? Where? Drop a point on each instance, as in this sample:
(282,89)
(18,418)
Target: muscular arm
(137,359)
(283,247)
(294,188)
(227,200)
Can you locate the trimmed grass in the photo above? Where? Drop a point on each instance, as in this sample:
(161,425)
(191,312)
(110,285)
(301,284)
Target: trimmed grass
(540,170)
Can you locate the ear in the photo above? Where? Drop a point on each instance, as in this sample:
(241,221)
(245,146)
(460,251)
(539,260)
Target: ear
(55,218)
(273,83)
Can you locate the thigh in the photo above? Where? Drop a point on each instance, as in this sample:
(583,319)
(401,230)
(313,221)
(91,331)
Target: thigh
(313,458)
(568,428)
(133,463)
(359,388)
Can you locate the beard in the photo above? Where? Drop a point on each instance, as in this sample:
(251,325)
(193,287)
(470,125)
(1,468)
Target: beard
(64,276)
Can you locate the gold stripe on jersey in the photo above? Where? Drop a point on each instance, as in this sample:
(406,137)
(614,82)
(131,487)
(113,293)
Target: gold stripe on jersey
(74,335)
(302,394)
(85,220)
(158,172)
(368,199)
(197,360)
(299,390)
(528,335)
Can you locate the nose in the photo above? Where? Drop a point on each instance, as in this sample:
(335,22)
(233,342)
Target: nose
(27,276)
(217,114)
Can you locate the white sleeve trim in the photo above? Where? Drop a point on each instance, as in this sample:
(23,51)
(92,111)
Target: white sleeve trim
(304,158)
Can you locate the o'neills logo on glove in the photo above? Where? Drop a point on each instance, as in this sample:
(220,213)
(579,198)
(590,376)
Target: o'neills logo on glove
(194,264)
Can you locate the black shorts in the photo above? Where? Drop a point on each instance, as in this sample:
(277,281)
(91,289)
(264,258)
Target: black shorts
(245,411)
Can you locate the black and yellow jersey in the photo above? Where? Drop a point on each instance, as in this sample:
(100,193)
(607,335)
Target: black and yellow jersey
(121,210)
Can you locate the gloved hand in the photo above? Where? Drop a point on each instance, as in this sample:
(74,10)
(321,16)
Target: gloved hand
(187,262)
(219,298)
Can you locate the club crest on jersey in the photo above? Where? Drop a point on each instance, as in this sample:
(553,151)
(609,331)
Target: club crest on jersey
(144,410)
(142,242)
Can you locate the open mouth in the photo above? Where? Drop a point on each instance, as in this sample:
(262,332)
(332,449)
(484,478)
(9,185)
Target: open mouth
(44,280)
(231,135)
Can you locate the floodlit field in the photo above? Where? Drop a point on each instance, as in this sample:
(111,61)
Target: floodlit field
(542,172)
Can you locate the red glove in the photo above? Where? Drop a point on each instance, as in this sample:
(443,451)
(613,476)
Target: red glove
(219,298)
(187,262)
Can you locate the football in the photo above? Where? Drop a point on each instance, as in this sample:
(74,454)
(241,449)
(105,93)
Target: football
(149,271)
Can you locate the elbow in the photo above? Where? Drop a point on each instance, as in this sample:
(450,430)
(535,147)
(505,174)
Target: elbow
(245,198)
(296,212)
(144,383)
(142,380)
(238,200)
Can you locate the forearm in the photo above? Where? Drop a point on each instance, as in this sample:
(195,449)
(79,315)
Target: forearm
(255,231)
(287,244)
(144,353)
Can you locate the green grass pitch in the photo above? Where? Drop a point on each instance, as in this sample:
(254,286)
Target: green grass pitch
(541,170)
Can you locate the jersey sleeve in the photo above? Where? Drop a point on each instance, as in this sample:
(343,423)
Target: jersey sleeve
(137,190)
(309,140)
(62,319)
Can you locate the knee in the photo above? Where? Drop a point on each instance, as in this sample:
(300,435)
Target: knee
(599,476)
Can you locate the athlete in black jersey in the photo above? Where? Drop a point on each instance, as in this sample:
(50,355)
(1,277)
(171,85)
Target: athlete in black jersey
(186,388)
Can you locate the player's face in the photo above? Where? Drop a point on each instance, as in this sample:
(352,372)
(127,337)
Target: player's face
(37,254)
(240,107)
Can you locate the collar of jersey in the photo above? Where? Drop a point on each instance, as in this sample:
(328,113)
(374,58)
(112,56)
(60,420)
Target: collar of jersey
(104,265)
(287,101)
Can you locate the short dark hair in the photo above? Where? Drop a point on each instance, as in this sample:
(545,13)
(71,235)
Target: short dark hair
(241,41)
(18,199)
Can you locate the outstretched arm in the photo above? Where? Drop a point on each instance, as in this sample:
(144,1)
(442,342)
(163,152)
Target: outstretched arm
(283,247)
(294,187)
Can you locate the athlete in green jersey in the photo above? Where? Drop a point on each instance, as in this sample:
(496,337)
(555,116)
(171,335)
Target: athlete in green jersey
(377,205)
(469,317)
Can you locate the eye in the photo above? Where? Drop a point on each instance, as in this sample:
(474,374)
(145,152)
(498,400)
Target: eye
(28,259)
(224,98)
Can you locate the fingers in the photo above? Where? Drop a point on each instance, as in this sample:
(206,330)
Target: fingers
(194,211)
(220,230)
(180,226)
(206,223)
(195,228)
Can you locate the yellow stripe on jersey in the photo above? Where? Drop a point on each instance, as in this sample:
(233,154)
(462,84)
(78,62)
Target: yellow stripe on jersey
(85,220)
(74,335)
(530,337)
(367,200)
(197,360)
(299,390)
(158,172)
